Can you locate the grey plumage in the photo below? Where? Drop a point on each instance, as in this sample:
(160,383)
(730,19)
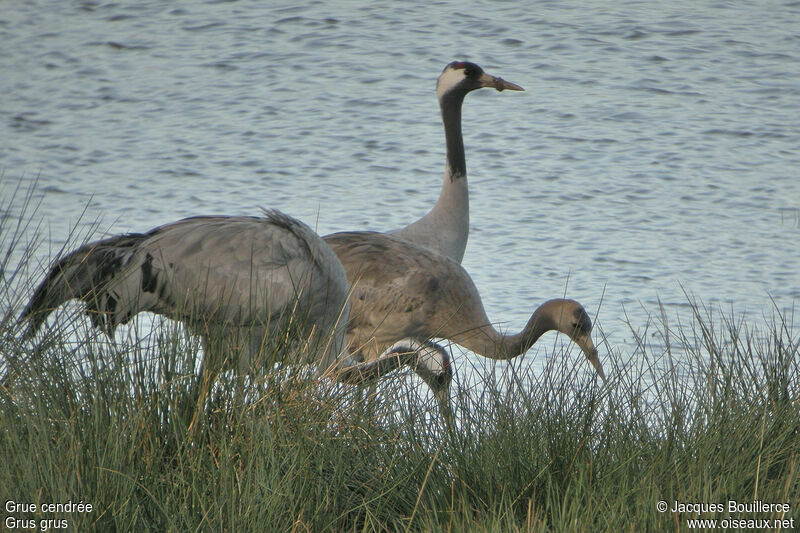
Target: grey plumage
(235,282)
(403,290)
(445,227)
(232,280)
(443,230)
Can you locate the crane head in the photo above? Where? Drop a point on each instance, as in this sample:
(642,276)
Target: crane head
(572,320)
(463,77)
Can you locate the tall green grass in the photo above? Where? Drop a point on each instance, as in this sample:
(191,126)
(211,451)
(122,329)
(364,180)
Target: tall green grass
(708,412)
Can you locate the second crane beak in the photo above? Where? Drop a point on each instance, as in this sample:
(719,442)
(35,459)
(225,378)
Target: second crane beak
(590,351)
(487,80)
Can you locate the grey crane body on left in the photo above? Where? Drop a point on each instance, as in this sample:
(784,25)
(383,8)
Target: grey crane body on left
(234,281)
(236,277)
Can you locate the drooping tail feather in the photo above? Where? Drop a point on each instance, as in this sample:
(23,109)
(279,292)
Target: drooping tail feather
(84,274)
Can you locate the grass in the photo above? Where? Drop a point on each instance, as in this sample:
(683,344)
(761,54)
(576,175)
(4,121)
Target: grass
(706,413)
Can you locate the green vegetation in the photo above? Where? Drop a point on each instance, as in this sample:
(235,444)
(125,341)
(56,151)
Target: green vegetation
(708,414)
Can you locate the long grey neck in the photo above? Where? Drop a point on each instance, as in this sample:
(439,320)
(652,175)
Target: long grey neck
(488,342)
(445,228)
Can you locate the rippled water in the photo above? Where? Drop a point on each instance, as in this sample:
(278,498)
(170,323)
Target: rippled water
(655,149)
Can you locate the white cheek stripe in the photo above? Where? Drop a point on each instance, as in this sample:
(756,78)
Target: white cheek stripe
(449,79)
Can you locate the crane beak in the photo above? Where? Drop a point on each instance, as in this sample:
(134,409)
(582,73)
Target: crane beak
(487,80)
(586,344)
(443,398)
